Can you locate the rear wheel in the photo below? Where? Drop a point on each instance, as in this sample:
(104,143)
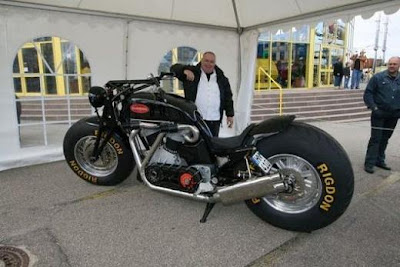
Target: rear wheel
(114,164)
(318,172)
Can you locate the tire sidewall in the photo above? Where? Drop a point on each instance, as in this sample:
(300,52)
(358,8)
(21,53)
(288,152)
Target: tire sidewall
(83,129)
(334,170)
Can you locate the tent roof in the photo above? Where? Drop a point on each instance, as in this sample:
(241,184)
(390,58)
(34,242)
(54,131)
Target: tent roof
(218,13)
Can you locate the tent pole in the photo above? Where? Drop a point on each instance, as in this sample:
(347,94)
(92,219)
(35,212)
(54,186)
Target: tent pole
(239,32)
(126,47)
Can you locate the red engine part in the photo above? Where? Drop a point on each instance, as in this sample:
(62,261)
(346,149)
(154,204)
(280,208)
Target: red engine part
(187,180)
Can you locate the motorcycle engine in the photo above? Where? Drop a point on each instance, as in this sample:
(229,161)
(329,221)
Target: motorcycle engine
(167,153)
(167,169)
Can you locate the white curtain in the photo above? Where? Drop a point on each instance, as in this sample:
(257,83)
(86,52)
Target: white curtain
(100,39)
(248,50)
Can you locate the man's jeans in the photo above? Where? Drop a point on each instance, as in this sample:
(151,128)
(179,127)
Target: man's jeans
(382,127)
(355,79)
(346,82)
(338,81)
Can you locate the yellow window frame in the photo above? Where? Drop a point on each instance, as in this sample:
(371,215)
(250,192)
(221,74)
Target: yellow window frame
(58,71)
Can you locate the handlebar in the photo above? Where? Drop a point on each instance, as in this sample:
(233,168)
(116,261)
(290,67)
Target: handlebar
(128,85)
(150,81)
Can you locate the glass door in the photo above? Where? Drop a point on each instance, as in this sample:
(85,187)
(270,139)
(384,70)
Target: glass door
(324,58)
(325,67)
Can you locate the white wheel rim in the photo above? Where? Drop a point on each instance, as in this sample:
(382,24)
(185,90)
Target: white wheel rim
(308,186)
(105,165)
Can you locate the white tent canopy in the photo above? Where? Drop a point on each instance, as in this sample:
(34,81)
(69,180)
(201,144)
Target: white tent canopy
(219,13)
(128,38)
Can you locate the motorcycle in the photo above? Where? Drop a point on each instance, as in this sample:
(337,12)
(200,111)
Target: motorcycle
(290,174)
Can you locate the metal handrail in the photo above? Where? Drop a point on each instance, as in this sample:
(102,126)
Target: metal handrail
(277,84)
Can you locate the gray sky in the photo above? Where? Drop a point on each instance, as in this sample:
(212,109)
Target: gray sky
(365,31)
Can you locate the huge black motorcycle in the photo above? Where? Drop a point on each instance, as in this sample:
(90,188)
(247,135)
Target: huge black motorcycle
(290,174)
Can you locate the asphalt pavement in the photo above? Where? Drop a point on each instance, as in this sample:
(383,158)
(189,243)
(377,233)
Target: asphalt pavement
(61,220)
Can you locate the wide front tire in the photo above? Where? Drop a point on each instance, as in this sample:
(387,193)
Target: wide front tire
(319,172)
(114,164)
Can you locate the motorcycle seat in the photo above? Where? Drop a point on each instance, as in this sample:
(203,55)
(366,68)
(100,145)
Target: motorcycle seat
(225,145)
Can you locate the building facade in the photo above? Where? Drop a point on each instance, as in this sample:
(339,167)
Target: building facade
(301,57)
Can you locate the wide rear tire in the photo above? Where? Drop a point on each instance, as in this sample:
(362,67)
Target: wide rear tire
(112,167)
(322,175)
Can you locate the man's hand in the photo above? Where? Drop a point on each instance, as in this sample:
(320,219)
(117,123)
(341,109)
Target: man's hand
(189,75)
(229,121)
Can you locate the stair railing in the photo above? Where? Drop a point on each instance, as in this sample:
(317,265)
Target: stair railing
(260,69)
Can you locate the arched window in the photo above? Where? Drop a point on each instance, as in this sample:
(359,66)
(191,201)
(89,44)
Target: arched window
(183,55)
(51,79)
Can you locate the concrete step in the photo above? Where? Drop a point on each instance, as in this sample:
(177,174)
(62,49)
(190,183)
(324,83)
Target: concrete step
(311,108)
(312,98)
(300,92)
(327,112)
(309,96)
(53,106)
(55,109)
(52,117)
(27,112)
(326,103)
(55,99)
(312,105)
(359,116)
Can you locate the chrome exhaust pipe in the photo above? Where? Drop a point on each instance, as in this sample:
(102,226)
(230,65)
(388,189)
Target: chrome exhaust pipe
(252,188)
(257,187)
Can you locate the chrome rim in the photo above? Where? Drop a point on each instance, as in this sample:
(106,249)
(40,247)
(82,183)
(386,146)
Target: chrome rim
(304,183)
(104,165)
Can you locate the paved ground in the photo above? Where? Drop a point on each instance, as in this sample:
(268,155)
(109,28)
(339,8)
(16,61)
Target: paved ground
(64,221)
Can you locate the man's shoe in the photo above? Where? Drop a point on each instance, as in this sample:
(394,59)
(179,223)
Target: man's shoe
(383,166)
(369,168)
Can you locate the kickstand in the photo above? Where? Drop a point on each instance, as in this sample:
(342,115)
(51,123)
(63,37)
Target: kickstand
(207,212)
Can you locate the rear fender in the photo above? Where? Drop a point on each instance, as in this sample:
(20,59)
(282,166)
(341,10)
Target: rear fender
(274,124)
(270,127)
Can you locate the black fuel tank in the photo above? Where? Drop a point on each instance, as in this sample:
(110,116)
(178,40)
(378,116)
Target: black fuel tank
(166,107)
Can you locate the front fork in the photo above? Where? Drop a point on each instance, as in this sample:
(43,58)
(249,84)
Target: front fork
(100,143)
(107,124)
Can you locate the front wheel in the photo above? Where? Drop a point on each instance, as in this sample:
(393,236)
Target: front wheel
(114,163)
(318,172)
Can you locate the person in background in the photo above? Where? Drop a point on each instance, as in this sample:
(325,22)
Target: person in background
(86,79)
(346,74)
(359,62)
(206,85)
(382,96)
(338,72)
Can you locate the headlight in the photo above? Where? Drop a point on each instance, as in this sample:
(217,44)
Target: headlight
(97,96)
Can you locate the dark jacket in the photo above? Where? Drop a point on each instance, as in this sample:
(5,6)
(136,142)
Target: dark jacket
(383,91)
(338,69)
(190,88)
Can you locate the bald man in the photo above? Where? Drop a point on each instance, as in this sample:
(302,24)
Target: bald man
(206,85)
(382,96)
